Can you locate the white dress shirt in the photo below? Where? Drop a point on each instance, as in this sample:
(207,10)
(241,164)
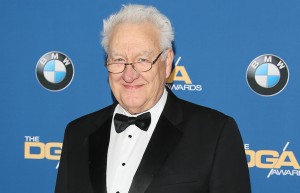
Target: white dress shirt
(126,149)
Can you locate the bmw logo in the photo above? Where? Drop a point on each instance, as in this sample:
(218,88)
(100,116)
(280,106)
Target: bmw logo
(54,71)
(267,75)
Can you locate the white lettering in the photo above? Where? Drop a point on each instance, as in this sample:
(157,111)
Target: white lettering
(187,87)
(268,59)
(284,172)
(43,61)
(32,138)
(54,56)
(254,64)
(66,61)
(280,65)
(246,146)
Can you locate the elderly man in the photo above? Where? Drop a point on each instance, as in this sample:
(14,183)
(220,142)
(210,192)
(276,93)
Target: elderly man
(149,140)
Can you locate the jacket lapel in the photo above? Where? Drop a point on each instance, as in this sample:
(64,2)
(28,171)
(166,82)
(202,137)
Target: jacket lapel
(162,142)
(98,146)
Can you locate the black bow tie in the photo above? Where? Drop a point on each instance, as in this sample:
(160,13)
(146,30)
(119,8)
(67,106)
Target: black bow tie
(122,121)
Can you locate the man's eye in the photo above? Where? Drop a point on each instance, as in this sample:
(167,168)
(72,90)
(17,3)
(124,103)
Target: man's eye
(118,60)
(143,60)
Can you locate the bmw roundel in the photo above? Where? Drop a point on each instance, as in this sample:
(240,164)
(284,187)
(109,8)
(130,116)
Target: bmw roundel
(55,71)
(267,75)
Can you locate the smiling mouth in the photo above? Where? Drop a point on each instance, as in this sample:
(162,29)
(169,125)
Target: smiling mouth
(132,87)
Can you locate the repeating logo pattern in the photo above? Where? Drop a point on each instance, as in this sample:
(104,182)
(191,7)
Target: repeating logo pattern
(54,71)
(267,75)
(179,79)
(279,163)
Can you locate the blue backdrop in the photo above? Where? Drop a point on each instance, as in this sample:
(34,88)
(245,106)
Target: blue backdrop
(215,42)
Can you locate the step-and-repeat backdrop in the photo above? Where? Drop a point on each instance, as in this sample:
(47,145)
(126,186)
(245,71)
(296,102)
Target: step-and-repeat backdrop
(239,57)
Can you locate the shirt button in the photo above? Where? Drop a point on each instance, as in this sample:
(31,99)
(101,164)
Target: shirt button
(123,164)
(117,192)
(129,136)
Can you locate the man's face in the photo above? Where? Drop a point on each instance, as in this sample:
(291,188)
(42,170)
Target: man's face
(135,91)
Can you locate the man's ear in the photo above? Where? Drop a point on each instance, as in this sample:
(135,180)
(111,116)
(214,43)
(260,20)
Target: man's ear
(169,61)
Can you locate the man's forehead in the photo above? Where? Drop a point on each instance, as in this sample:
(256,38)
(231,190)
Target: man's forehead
(136,32)
(133,52)
(133,24)
(131,39)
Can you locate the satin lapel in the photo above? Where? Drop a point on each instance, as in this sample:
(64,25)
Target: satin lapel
(163,140)
(98,146)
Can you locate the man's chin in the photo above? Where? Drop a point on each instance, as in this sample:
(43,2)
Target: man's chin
(133,107)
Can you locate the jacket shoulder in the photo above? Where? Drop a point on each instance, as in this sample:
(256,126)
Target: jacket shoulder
(192,109)
(203,121)
(89,122)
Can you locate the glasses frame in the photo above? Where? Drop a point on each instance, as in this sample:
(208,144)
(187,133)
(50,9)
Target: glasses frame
(132,64)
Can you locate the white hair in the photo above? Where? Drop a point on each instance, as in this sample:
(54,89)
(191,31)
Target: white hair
(139,14)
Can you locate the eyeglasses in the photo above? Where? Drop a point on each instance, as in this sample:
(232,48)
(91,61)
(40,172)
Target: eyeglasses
(141,66)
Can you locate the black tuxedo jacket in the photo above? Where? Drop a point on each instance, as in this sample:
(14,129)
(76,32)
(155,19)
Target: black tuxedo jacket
(193,150)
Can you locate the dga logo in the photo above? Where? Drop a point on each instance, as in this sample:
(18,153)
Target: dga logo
(267,75)
(179,74)
(278,163)
(54,71)
(37,150)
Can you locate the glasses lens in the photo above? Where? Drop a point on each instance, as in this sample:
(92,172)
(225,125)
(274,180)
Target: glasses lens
(115,67)
(142,66)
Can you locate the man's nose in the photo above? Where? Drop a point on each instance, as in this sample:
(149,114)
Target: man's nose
(129,74)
